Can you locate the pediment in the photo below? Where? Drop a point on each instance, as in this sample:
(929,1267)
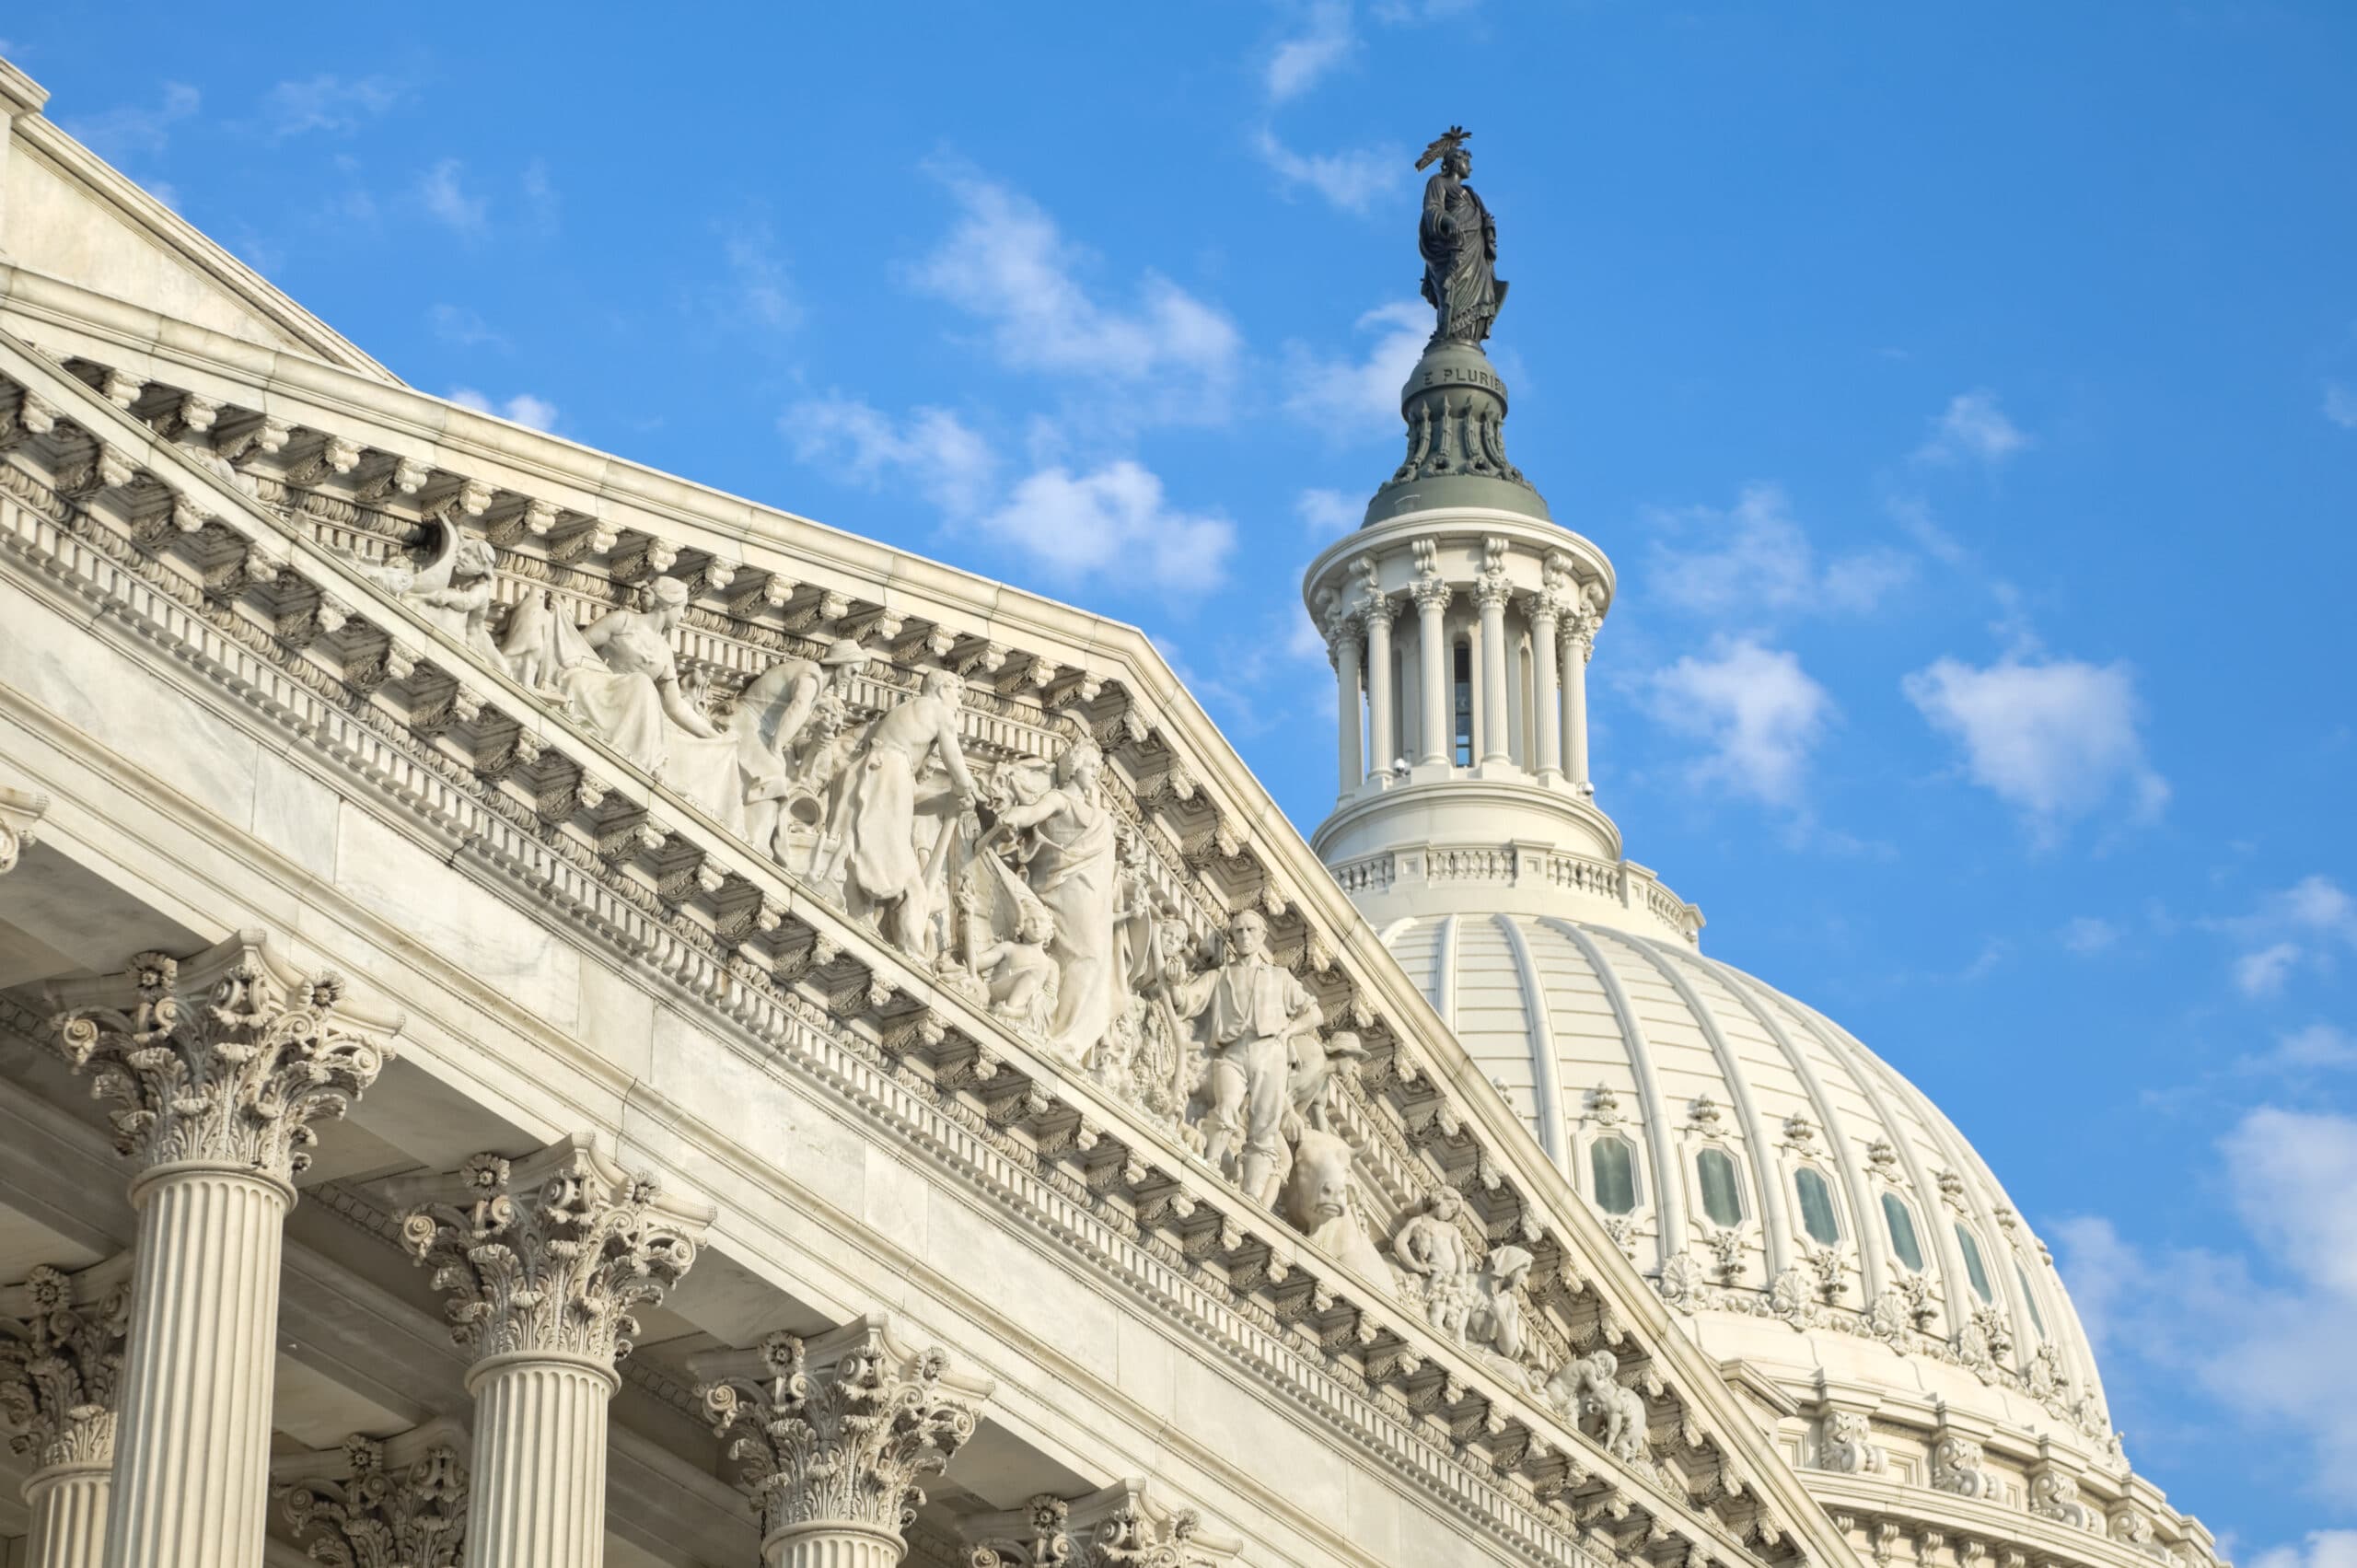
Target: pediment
(79,238)
(297,538)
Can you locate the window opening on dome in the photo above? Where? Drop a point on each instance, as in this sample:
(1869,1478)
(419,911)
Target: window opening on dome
(1902,1231)
(1613,1165)
(1818,1215)
(2029,1299)
(1722,1192)
(1972,1269)
(1461,716)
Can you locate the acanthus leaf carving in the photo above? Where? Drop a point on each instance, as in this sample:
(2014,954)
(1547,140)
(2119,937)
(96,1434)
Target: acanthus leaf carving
(61,1358)
(228,1058)
(377,1513)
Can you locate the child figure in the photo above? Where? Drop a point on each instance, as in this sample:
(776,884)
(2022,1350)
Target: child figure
(1022,976)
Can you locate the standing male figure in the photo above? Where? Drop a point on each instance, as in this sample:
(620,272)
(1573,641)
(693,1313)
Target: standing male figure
(875,821)
(772,714)
(1252,1010)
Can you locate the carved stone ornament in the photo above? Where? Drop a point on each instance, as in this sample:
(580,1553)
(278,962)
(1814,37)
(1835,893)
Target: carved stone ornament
(1958,1466)
(1120,1526)
(401,1503)
(550,1255)
(20,809)
(61,1355)
(1850,1446)
(837,1431)
(226,1058)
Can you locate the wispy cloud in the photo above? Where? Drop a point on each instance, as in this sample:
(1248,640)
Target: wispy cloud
(932,451)
(1753,562)
(2086,936)
(1305,58)
(327,102)
(2262,1331)
(2340,404)
(1973,428)
(523,407)
(761,290)
(1114,518)
(1348,398)
(462,328)
(1350,179)
(2317,1548)
(542,207)
(1327,514)
(2318,1047)
(2055,741)
(1006,263)
(134,130)
(442,191)
(1760,713)
(2305,926)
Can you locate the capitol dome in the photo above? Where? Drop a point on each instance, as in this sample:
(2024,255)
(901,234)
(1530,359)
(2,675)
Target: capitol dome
(1810,1218)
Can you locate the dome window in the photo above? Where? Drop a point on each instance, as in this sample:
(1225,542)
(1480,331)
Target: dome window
(1818,1215)
(1613,1165)
(1972,1265)
(1902,1231)
(1721,1189)
(2029,1299)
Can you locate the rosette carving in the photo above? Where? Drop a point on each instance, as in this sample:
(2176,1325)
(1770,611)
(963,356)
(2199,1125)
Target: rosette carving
(381,1513)
(61,1357)
(552,1254)
(839,1429)
(227,1058)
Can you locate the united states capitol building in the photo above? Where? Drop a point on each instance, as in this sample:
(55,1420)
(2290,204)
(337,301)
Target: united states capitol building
(550,1016)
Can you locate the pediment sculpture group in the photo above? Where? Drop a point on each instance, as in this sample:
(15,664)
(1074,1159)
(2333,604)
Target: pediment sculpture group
(1023,891)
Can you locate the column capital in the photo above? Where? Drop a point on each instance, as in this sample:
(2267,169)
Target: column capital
(1120,1526)
(20,809)
(1493,588)
(549,1255)
(401,1502)
(1578,631)
(61,1362)
(1342,636)
(225,1059)
(1378,610)
(838,1430)
(1432,591)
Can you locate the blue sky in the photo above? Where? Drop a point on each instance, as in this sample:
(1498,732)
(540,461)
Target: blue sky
(1967,396)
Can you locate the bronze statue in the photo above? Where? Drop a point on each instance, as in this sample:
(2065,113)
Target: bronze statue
(1459,241)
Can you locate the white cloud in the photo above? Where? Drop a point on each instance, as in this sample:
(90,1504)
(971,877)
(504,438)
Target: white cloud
(523,407)
(1327,514)
(116,133)
(1113,518)
(2056,740)
(1007,263)
(328,102)
(2318,1045)
(2303,925)
(2340,405)
(1350,179)
(457,325)
(542,204)
(1300,62)
(1753,562)
(442,189)
(1973,427)
(2317,1548)
(1351,400)
(1758,710)
(761,290)
(2087,935)
(932,451)
(2263,1331)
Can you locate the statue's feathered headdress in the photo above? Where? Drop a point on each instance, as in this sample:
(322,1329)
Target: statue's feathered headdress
(1448,142)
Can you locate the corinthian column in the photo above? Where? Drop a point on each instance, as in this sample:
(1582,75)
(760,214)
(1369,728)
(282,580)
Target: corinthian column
(220,1064)
(401,1503)
(1343,642)
(834,1434)
(1383,740)
(1547,704)
(1490,591)
(1579,645)
(545,1259)
(1432,594)
(1120,1526)
(61,1355)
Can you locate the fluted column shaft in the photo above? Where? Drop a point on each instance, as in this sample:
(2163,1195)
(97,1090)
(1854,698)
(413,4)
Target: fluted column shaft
(1548,704)
(1578,644)
(1383,738)
(1344,645)
(68,1503)
(192,1468)
(833,1544)
(1432,648)
(540,1463)
(1495,731)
